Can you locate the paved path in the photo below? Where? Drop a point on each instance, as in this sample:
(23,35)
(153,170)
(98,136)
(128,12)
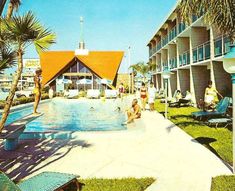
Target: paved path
(152,147)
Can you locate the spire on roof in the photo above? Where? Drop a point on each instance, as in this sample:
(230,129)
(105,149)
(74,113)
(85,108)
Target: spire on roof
(81,43)
(81,50)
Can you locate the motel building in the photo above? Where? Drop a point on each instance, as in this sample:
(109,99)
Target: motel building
(80,69)
(193,53)
(65,69)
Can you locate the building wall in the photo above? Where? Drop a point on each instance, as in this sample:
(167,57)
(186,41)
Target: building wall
(173,82)
(199,36)
(200,77)
(192,75)
(184,80)
(222,79)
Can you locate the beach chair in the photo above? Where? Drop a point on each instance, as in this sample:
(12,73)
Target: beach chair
(46,181)
(111,93)
(72,93)
(186,101)
(220,121)
(93,93)
(220,110)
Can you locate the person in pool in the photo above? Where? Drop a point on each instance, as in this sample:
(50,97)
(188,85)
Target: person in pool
(134,112)
(37,89)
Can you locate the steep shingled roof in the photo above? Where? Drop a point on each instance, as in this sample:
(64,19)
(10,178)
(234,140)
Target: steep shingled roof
(103,63)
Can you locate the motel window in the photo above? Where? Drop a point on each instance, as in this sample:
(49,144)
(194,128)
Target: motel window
(73,68)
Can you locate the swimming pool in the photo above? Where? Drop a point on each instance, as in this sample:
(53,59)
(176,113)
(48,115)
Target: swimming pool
(73,115)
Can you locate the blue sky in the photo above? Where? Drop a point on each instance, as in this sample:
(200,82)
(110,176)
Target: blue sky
(109,24)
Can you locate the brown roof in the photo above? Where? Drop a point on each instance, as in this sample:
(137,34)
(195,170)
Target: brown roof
(103,63)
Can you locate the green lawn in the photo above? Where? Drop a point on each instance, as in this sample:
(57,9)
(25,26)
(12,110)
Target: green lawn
(223,183)
(218,140)
(125,184)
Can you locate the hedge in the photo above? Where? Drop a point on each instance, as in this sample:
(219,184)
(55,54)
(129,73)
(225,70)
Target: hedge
(23,100)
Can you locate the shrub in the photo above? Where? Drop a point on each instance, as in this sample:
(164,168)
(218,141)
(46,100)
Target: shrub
(23,100)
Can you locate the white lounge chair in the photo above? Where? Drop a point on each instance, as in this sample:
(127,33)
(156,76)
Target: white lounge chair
(72,93)
(93,93)
(111,93)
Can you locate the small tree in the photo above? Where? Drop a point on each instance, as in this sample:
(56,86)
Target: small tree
(142,68)
(20,32)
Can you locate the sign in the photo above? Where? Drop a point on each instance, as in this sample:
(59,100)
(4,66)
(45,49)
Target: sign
(31,63)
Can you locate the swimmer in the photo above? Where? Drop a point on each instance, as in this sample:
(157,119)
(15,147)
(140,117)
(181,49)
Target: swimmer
(118,109)
(92,108)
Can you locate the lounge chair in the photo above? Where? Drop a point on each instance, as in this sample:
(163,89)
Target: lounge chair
(220,121)
(111,93)
(72,93)
(93,93)
(220,110)
(186,101)
(46,181)
(169,100)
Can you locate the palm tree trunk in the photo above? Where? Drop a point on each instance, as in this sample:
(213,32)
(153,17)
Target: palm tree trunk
(12,91)
(2,5)
(9,10)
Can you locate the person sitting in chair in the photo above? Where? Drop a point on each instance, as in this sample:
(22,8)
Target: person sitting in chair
(211,98)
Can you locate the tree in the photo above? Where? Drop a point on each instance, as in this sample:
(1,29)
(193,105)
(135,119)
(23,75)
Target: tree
(13,5)
(7,58)
(219,13)
(2,5)
(22,31)
(7,55)
(141,68)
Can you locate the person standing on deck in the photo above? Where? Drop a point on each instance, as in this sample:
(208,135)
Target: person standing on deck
(151,96)
(143,95)
(37,89)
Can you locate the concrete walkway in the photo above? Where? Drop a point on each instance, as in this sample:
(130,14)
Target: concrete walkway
(152,147)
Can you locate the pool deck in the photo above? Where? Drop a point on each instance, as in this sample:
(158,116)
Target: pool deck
(152,147)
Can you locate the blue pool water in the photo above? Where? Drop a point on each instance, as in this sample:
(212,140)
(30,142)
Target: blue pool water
(73,115)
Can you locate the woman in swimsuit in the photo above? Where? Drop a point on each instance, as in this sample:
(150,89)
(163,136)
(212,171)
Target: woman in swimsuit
(134,112)
(37,89)
(211,98)
(143,95)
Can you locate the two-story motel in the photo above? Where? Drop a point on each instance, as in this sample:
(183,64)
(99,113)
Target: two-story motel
(193,53)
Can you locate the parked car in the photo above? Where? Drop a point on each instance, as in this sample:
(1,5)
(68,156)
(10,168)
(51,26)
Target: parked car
(24,93)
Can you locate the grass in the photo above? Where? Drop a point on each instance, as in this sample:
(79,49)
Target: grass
(124,184)
(218,140)
(223,183)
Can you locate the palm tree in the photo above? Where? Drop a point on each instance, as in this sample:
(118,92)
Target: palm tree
(2,5)
(23,31)
(141,68)
(13,5)
(219,13)
(7,58)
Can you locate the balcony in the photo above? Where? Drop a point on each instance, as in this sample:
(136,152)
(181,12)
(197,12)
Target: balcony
(184,59)
(164,65)
(196,17)
(173,63)
(181,27)
(172,34)
(202,52)
(159,68)
(165,40)
(159,46)
(221,45)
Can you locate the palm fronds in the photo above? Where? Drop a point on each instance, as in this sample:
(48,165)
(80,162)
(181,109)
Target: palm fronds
(27,29)
(7,58)
(219,13)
